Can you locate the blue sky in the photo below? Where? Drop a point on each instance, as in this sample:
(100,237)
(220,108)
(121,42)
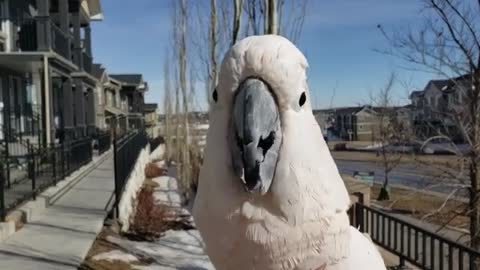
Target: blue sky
(339,38)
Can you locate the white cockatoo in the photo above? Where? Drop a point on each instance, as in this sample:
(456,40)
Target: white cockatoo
(270,195)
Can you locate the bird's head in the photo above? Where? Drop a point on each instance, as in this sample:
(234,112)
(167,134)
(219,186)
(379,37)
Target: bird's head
(263,134)
(261,78)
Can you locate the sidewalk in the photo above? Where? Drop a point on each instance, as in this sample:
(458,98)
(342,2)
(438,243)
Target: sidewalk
(62,235)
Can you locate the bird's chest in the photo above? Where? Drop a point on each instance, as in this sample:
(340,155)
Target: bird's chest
(246,243)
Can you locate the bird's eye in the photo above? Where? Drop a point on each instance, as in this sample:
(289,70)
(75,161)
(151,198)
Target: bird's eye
(302,100)
(215,95)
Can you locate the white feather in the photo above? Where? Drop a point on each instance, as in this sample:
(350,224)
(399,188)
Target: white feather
(301,222)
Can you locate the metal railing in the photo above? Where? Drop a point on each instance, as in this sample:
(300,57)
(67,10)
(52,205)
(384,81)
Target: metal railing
(23,175)
(412,243)
(126,151)
(61,41)
(103,142)
(26,37)
(87,62)
(154,143)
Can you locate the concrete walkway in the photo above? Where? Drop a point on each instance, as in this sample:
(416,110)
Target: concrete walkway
(62,235)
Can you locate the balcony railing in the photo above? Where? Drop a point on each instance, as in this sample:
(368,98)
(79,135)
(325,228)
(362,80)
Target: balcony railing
(26,35)
(420,247)
(60,41)
(87,62)
(26,38)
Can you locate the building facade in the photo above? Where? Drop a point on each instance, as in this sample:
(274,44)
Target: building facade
(46,83)
(132,98)
(152,124)
(434,107)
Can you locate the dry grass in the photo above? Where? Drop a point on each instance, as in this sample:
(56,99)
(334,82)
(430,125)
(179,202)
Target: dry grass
(101,245)
(149,221)
(152,220)
(152,170)
(430,208)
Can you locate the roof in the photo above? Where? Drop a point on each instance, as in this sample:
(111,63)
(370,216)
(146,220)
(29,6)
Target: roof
(347,110)
(414,94)
(441,85)
(134,79)
(150,107)
(97,71)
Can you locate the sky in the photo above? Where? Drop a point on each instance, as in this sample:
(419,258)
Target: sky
(340,40)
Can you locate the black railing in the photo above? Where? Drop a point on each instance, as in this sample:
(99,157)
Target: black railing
(103,142)
(26,37)
(411,243)
(27,34)
(87,62)
(25,174)
(154,143)
(61,41)
(126,151)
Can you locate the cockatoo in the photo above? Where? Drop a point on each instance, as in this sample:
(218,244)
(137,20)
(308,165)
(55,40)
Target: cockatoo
(270,195)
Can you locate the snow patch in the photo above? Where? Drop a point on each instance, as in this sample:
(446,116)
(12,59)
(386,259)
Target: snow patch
(115,255)
(134,184)
(166,183)
(158,152)
(175,250)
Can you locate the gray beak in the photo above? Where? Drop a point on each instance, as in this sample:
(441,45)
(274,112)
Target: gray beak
(257,135)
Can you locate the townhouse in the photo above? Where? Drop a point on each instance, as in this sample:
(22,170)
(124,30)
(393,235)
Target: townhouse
(434,108)
(54,101)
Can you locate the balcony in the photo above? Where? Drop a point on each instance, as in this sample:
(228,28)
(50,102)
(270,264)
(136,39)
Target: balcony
(61,41)
(26,38)
(87,62)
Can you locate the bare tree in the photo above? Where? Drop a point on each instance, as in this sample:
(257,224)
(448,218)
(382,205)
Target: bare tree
(279,17)
(183,86)
(213,47)
(449,45)
(271,17)
(385,133)
(167,105)
(237,19)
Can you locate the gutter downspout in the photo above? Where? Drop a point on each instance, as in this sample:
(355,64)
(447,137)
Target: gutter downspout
(46,89)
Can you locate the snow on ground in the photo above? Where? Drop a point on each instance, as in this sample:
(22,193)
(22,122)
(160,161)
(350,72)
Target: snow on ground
(115,255)
(175,250)
(158,152)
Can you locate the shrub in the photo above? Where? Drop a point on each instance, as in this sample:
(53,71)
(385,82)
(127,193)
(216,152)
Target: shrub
(152,171)
(340,147)
(152,219)
(148,222)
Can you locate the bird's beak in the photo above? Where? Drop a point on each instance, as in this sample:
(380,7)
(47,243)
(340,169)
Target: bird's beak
(257,135)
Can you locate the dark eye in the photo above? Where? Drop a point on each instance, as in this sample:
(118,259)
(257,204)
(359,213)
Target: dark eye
(302,100)
(215,95)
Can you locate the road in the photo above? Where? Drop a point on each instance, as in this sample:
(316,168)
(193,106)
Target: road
(405,174)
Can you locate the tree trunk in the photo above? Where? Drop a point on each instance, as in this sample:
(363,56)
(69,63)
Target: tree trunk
(213,48)
(237,17)
(168,110)
(384,194)
(474,206)
(266,23)
(183,87)
(271,18)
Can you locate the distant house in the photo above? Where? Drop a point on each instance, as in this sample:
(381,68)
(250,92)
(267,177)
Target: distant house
(152,125)
(361,123)
(132,97)
(432,107)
